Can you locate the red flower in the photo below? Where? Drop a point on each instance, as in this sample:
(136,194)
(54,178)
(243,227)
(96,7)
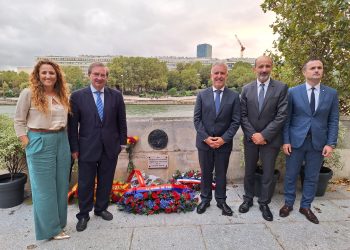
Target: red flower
(176,196)
(157,201)
(156,208)
(145,195)
(168,210)
(154,195)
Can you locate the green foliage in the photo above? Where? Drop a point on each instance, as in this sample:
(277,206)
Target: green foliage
(314,28)
(189,79)
(138,74)
(12,155)
(334,161)
(11,80)
(241,74)
(74,77)
(172,91)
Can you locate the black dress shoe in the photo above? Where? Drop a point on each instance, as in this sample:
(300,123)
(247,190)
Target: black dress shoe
(309,215)
(244,207)
(82,224)
(105,215)
(202,207)
(226,210)
(266,213)
(285,210)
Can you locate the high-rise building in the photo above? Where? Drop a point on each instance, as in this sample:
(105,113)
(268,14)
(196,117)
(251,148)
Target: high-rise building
(204,50)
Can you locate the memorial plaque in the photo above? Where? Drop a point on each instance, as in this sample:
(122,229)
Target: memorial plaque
(158,161)
(158,139)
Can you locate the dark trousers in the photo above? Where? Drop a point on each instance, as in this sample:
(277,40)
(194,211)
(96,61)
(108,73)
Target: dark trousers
(313,161)
(268,156)
(208,161)
(104,170)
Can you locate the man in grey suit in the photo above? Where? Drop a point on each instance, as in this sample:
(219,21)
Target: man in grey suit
(216,119)
(310,134)
(263,113)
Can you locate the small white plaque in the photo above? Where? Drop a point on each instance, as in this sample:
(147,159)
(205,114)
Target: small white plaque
(158,161)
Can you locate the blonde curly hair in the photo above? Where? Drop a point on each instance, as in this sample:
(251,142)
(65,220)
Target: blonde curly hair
(37,88)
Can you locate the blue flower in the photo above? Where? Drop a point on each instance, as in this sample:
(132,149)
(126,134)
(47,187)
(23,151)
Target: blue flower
(150,204)
(164,203)
(138,196)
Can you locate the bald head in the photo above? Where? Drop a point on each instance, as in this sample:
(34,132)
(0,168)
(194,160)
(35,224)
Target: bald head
(263,68)
(263,58)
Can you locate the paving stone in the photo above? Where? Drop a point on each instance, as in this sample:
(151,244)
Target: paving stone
(301,235)
(181,237)
(252,236)
(343,205)
(210,230)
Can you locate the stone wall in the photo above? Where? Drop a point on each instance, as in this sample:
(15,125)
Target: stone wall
(183,153)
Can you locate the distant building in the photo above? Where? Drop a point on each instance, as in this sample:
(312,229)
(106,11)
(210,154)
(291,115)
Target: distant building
(204,50)
(83,61)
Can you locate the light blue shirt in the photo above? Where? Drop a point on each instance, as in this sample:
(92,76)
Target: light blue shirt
(93,90)
(316,91)
(222,91)
(265,87)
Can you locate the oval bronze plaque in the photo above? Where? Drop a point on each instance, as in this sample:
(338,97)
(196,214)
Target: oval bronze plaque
(158,139)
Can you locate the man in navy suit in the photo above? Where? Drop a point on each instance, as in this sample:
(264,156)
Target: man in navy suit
(310,134)
(97,129)
(263,114)
(216,119)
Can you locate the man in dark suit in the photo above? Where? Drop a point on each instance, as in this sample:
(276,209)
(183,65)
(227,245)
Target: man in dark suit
(310,134)
(97,129)
(263,113)
(216,119)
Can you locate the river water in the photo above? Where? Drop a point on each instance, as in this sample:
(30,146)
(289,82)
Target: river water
(136,110)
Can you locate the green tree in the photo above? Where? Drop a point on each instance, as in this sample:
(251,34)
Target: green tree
(189,79)
(204,74)
(138,74)
(314,28)
(74,77)
(241,74)
(174,79)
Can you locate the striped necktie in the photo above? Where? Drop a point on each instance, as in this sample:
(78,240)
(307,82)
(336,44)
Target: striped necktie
(99,104)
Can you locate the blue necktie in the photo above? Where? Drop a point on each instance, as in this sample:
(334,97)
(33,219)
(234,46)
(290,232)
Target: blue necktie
(217,100)
(261,96)
(99,104)
(312,100)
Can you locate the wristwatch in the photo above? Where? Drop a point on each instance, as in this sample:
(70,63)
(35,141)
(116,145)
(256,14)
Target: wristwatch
(332,146)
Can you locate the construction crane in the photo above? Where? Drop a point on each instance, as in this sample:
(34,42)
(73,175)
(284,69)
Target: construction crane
(242,47)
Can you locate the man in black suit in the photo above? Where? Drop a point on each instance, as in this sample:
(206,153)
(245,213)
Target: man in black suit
(216,119)
(263,114)
(97,129)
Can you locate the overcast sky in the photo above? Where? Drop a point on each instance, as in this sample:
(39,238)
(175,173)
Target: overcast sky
(30,28)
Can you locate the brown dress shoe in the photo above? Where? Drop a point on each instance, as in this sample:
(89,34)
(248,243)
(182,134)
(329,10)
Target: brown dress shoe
(309,215)
(285,210)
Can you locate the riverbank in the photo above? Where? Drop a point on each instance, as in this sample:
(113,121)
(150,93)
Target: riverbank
(129,99)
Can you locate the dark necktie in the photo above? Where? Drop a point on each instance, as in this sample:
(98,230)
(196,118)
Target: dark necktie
(261,96)
(312,100)
(217,100)
(99,104)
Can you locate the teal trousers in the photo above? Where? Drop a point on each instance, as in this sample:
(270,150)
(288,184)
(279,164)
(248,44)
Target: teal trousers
(48,158)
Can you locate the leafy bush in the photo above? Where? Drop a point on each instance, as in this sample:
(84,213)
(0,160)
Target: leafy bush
(12,155)
(172,91)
